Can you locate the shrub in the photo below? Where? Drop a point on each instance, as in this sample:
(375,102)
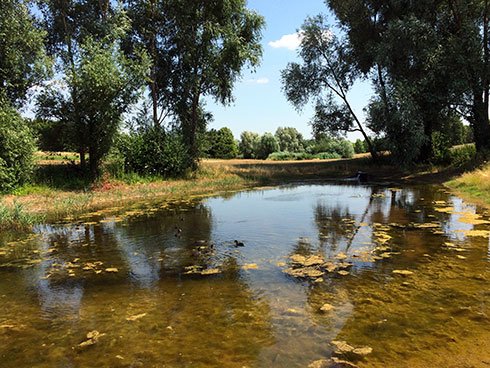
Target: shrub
(153,151)
(342,147)
(359,146)
(327,155)
(17,147)
(463,155)
(441,144)
(284,156)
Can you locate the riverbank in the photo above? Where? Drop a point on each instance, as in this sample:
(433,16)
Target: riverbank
(49,202)
(473,185)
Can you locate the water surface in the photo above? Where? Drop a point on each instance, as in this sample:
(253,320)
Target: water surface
(143,286)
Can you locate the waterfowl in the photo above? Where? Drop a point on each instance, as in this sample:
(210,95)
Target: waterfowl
(239,244)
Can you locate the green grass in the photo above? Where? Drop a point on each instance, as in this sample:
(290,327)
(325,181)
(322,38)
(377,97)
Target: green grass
(17,217)
(475,184)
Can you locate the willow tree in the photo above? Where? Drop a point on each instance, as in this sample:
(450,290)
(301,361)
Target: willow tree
(325,76)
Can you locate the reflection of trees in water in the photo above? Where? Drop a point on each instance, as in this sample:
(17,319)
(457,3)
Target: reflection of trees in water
(215,320)
(387,312)
(168,240)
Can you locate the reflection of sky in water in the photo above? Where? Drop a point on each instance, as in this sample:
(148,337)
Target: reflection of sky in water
(274,224)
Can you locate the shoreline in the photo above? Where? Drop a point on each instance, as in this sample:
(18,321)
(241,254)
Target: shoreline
(214,176)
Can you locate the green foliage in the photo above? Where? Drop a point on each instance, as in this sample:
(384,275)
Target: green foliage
(284,156)
(220,144)
(51,135)
(249,143)
(327,155)
(23,62)
(108,84)
(359,146)
(152,151)
(17,217)
(289,139)
(461,156)
(17,146)
(326,74)
(101,82)
(441,143)
(267,145)
(327,145)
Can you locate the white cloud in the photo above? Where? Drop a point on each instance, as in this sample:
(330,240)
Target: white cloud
(289,41)
(259,81)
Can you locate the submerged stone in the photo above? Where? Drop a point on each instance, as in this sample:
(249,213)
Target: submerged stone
(402,272)
(135,317)
(326,307)
(331,363)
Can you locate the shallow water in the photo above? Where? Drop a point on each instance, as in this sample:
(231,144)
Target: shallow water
(156,299)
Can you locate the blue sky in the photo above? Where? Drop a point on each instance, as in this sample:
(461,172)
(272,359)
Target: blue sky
(260,105)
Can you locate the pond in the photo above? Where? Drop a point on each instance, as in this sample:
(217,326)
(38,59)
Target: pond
(374,275)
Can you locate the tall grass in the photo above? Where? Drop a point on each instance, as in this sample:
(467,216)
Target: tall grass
(16,216)
(475,183)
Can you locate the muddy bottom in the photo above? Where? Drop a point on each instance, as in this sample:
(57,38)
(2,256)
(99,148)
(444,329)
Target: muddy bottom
(275,277)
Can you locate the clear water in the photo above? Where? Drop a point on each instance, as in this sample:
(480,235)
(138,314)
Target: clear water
(138,277)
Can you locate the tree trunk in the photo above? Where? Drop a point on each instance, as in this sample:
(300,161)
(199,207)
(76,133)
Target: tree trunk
(481,127)
(83,164)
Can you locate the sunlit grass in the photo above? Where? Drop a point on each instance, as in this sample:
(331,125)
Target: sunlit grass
(475,183)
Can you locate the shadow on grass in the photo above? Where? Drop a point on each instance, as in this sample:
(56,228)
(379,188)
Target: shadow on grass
(63,177)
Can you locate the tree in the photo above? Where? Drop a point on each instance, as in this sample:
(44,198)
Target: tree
(289,139)
(325,75)
(152,30)
(359,146)
(432,55)
(221,144)
(23,60)
(249,142)
(267,145)
(101,82)
(214,41)
(17,146)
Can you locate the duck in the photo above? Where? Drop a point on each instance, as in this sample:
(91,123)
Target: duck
(239,244)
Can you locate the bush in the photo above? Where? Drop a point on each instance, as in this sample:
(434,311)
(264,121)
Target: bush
(153,151)
(284,156)
(17,147)
(327,155)
(462,155)
(441,143)
(359,146)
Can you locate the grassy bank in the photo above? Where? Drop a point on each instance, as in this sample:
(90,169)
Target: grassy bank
(58,191)
(473,185)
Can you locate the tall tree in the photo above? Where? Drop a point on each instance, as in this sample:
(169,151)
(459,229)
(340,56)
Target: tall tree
(23,61)
(100,81)
(325,75)
(289,139)
(214,40)
(152,30)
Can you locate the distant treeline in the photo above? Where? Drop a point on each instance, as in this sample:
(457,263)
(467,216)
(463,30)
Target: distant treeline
(128,79)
